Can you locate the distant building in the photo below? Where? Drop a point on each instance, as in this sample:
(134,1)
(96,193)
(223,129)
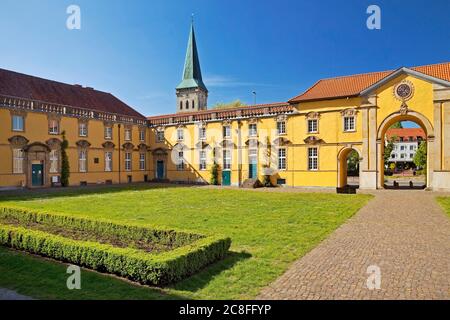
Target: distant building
(406,142)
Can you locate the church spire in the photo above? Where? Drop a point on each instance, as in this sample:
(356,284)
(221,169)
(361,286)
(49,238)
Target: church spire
(192,94)
(192,74)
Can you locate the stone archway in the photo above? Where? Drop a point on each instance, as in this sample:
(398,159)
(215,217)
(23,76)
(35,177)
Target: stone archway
(342,165)
(424,123)
(37,154)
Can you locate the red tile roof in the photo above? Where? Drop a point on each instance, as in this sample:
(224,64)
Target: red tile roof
(28,87)
(405,133)
(349,86)
(228,113)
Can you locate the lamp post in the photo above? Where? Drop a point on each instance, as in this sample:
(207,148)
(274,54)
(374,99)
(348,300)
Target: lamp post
(254,97)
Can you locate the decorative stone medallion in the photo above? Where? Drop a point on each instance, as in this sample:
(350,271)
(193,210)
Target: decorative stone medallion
(404,91)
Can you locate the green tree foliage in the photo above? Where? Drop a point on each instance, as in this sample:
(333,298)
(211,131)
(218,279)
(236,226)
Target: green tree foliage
(233,104)
(388,149)
(420,158)
(353,161)
(397,125)
(65,167)
(214,174)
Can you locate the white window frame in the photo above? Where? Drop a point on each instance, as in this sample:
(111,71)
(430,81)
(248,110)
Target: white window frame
(253,130)
(53,126)
(18,157)
(313,158)
(21,127)
(142,161)
(128,158)
(180,161)
(82,129)
(202,160)
(313,125)
(351,125)
(108,161)
(142,135)
(108,132)
(282,159)
(54,161)
(227,158)
(180,134)
(202,133)
(281,127)
(128,134)
(160,136)
(226,132)
(82,160)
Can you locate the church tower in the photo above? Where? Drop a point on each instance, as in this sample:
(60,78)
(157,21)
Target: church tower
(192,94)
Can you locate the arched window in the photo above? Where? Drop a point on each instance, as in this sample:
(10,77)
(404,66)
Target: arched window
(193,104)
(187,104)
(181,105)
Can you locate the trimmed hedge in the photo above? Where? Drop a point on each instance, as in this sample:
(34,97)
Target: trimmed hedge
(193,253)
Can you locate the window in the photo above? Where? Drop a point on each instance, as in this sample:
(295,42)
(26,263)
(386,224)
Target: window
(402,156)
(312,126)
(202,157)
(282,159)
(108,132)
(180,134)
(53,161)
(411,139)
(180,161)
(82,161)
(17,123)
(187,104)
(108,161)
(160,136)
(18,157)
(349,124)
(127,134)
(313,158)
(227,132)
(127,161)
(402,148)
(202,133)
(281,127)
(393,156)
(226,159)
(142,161)
(411,155)
(253,130)
(141,135)
(82,129)
(181,105)
(401,139)
(193,104)
(53,126)
(411,148)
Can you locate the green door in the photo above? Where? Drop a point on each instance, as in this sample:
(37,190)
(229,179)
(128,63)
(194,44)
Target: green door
(160,169)
(226,178)
(37,174)
(252,171)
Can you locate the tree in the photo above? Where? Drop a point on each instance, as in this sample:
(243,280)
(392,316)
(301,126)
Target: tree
(233,104)
(420,158)
(397,125)
(65,167)
(214,174)
(353,161)
(388,149)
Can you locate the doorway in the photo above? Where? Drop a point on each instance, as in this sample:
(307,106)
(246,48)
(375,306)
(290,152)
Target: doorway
(37,175)
(253,163)
(160,169)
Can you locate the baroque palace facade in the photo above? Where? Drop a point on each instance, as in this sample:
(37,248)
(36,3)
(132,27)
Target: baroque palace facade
(303,142)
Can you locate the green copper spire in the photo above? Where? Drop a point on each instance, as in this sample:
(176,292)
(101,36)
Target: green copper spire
(192,74)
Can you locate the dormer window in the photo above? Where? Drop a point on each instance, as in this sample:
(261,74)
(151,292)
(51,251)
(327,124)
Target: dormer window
(180,134)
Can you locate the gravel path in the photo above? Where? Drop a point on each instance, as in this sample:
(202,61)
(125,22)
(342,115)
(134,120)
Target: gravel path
(6,294)
(403,233)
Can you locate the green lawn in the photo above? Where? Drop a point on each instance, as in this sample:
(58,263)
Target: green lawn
(268,230)
(445,203)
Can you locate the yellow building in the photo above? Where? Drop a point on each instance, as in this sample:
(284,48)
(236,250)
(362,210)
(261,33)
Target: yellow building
(301,143)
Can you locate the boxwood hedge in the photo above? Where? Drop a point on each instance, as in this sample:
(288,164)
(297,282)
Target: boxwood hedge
(191,252)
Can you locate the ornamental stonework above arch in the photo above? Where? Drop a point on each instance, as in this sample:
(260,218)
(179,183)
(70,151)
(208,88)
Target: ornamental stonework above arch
(108,145)
(160,152)
(18,141)
(252,143)
(180,146)
(226,123)
(252,120)
(227,144)
(37,147)
(281,118)
(202,145)
(53,143)
(143,147)
(128,146)
(281,141)
(83,144)
(313,140)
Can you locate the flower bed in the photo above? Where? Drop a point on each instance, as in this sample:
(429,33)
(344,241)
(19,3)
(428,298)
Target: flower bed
(146,255)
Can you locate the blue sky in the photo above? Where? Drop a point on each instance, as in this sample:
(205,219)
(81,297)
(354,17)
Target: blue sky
(135,49)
